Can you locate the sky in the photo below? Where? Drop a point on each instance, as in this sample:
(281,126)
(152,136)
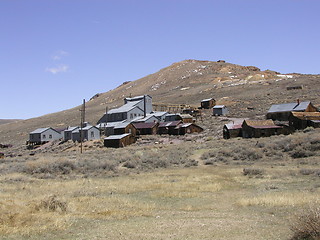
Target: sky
(55,53)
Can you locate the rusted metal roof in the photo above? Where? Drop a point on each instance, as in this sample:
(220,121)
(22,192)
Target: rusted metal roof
(169,124)
(142,125)
(307,115)
(261,123)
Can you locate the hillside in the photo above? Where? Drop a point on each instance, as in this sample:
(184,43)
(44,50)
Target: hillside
(5,121)
(246,90)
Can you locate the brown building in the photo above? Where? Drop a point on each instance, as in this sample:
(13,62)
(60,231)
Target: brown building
(259,128)
(208,103)
(185,128)
(146,128)
(301,120)
(168,127)
(233,129)
(125,128)
(117,141)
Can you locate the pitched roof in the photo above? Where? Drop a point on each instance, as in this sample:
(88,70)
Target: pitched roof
(289,107)
(261,123)
(219,106)
(124,108)
(169,124)
(70,129)
(235,124)
(40,130)
(115,137)
(307,115)
(142,125)
(206,100)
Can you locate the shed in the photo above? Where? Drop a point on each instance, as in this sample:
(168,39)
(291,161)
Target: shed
(168,127)
(146,128)
(281,112)
(187,128)
(220,110)
(43,135)
(117,141)
(259,128)
(301,120)
(208,103)
(87,133)
(125,127)
(233,129)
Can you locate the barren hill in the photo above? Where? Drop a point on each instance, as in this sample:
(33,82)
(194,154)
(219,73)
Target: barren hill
(246,90)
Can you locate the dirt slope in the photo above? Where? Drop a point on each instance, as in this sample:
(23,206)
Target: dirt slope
(246,90)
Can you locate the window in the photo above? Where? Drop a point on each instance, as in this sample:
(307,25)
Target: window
(44,136)
(131,115)
(92,134)
(50,136)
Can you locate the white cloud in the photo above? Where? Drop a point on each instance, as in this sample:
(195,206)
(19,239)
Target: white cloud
(58,69)
(59,55)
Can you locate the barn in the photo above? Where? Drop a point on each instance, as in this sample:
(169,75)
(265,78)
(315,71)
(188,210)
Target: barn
(233,129)
(125,127)
(168,127)
(118,141)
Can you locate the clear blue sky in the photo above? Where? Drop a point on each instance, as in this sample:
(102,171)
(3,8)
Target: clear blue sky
(54,53)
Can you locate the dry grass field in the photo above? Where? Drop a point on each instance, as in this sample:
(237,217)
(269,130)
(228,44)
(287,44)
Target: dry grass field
(212,189)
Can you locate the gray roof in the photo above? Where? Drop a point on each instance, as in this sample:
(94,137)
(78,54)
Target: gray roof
(206,100)
(124,108)
(40,130)
(122,124)
(288,107)
(115,137)
(219,106)
(71,129)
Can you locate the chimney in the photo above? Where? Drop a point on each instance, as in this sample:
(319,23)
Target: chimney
(144,106)
(298,101)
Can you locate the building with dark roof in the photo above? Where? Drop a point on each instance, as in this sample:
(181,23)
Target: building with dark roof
(259,128)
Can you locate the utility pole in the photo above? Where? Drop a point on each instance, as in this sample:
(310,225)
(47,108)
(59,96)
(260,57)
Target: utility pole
(82,120)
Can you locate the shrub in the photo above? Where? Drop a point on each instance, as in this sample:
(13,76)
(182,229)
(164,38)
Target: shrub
(253,172)
(51,203)
(307,226)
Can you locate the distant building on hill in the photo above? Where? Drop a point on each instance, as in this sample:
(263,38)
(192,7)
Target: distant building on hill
(259,128)
(301,120)
(132,108)
(219,110)
(281,112)
(208,103)
(118,141)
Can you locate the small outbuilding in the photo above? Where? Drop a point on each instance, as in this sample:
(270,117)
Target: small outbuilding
(118,141)
(146,128)
(168,127)
(233,129)
(125,127)
(43,135)
(259,128)
(220,110)
(208,103)
(67,133)
(187,128)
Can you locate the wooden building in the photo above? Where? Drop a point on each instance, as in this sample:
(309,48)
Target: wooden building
(146,128)
(125,127)
(187,128)
(259,128)
(118,141)
(233,129)
(208,103)
(168,127)
(281,112)
(301,120)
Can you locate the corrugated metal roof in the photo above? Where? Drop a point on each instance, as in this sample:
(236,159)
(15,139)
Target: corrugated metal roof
(115,137)
(169,124)
(206,100)
(219,106)
(70,129)
(122,125)
(40,130)
(289,107)
(307,115)
(144,125)
(124,108)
